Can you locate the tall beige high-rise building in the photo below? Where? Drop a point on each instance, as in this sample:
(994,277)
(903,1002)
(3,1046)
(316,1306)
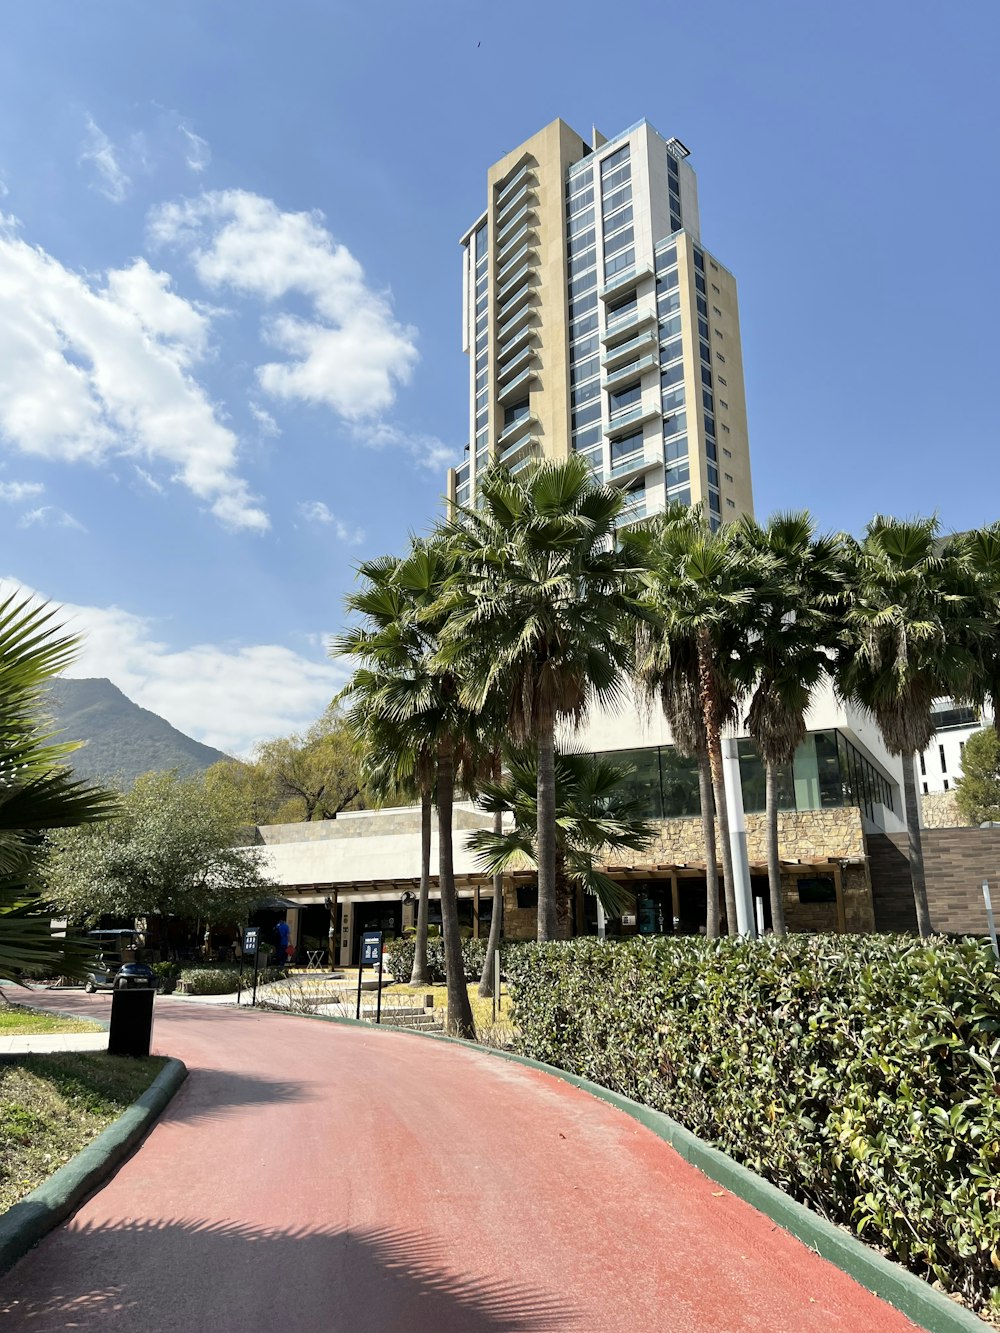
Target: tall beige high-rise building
(596,322)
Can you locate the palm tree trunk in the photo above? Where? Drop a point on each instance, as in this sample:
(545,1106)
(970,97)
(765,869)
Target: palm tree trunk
(496,920)
(420,973)
(460,1022)
(712,915)
(710,712)
(773,859)
(916,848)
(546,832)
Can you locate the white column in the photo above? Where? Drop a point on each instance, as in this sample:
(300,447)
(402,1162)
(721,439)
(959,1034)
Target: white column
(738,838)
(602,925)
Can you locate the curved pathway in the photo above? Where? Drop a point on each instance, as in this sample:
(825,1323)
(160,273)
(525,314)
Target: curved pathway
(317,1176)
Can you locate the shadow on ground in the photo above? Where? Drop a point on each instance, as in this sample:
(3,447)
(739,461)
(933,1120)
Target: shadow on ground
(186,1274)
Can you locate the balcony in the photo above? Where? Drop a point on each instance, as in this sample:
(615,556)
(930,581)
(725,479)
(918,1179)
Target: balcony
(635,416)
(635,465)
(519,225)
(515,434)
(506,210)
(624,282)
(616,355)
(524,273)
(627,324)
(518,385)
(629,371)
(515,322)
(520,452)
(521,297)
(516,364)
(518,257)
(521,176)
(517,340)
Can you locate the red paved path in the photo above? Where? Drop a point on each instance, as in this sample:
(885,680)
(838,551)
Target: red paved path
(313,1176)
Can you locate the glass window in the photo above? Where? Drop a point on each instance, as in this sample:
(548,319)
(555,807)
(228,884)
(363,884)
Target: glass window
(699,261)
(703,329)
(613,221)
(666,259)
(699,282)
(611,203)
(584,284)
(710,451)
(673,400)
(586,324)
(583,240)
(706,355)
(667,303)
(707,401)
(619,242)
(667,282)
(619,263)
(585,393)
(630,396)
(581,201)
(682,496)
(580,222)
(622,309)
(706,376)
(675,222)
(670,351)
(516,412)
(672,375)
(583,416)
(709,424)
(675,448)
(585,438)
(614,159)
(713,475)
(702,304)
(714,502)
(675,425)
(585,346)
(579,307)
(678,474)
(628,444)
(672,167)
(580,263)
(612,182)
(670,327)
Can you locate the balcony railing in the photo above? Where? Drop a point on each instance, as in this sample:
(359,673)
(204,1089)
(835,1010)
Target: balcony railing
(622,282)
(618,354)
(518,385)
(624,373)
(633,417)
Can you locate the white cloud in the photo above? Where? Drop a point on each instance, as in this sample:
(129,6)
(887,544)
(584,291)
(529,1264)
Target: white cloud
(229,697)
(197,152)
(352,355)
(90,372)
(315,511)
(428,450)
(49,516)
(98,149)
(263,418)
(15,491)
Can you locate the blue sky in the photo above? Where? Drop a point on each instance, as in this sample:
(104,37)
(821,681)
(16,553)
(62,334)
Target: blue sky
(230,358)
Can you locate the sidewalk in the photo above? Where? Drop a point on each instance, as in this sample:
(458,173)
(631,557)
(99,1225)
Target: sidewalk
(314,1176)
(47,1042)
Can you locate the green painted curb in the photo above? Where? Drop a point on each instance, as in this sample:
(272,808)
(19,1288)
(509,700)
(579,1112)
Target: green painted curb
(27,1222)
(930,1309)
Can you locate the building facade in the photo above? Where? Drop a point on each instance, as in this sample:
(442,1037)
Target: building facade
(596,323)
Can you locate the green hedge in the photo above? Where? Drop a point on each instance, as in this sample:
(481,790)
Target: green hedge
(861,1074)
(399,958)
(225,980)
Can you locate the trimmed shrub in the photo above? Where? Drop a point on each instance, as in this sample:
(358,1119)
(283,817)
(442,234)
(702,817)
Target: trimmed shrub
(210,980)
(861,1074)
(399,958)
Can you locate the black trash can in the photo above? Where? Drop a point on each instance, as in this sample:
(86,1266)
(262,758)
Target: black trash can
(131,1022)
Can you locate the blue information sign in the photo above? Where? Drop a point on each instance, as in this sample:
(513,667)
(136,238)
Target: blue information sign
(371,948)
(251,939)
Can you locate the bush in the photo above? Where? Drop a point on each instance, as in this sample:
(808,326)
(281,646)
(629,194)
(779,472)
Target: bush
(399,958)
(860,1074)
(210,980)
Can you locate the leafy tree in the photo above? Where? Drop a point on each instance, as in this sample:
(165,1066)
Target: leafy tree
(698,595)
(595,813)
(412,691)
(170,853)
(785,654)
(316,776)
(37,792)
(535,614)
(904,644)
(247,792)
(977,792)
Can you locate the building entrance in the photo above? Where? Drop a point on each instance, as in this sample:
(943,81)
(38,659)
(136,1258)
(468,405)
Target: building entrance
(384,916)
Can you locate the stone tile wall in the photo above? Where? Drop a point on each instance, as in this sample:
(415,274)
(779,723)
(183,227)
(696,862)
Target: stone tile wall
(956,861)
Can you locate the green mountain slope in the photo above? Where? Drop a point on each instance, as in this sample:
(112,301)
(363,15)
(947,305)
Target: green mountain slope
(122,739)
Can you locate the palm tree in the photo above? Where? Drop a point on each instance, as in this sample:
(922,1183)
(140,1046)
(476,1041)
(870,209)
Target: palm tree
(38,793)
(595,813)
(419,696)
(535,614)
(698,594)
(980,553)
(904,644)
(786,649)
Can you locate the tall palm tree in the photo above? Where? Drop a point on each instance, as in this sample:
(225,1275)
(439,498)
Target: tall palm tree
(903,645)
(980,554)
(38,792)
(419,696)
(698,594)
(535,613)
(786,650)
(595,814)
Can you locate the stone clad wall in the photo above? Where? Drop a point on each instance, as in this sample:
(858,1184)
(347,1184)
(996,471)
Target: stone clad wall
(956,861)
(939,809)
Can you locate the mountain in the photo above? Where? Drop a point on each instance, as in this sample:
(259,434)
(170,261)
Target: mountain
(122,739)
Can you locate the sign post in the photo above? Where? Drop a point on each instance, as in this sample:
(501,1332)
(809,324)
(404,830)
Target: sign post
(371,954)
(990,922)
(251,943)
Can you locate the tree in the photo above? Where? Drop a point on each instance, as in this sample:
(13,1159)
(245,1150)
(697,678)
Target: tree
(246,791)
(37,792)
(797,578)
(595,814)
(316,776)
(170,853)
(535,614)
(977,792)
(409,688)
(698,595)
(904,644)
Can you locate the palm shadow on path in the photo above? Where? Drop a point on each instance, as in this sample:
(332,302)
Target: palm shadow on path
(185,1274)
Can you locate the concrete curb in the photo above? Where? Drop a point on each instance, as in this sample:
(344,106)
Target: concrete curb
(27,1222)
(928,1308)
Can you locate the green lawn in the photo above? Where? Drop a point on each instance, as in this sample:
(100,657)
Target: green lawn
(51,1106)
(16,1021)
(482,1010)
